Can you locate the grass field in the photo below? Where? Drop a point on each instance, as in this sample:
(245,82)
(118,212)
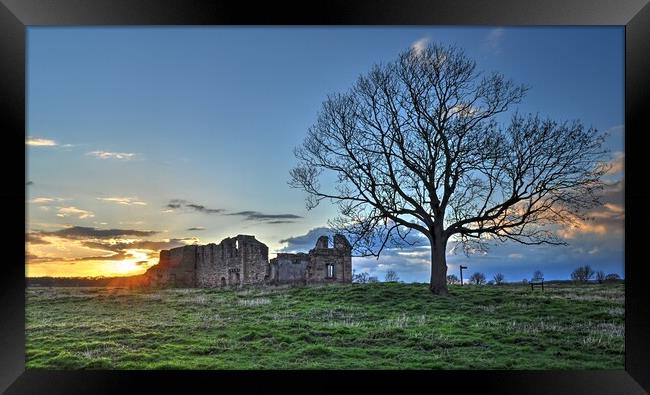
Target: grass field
(357,326)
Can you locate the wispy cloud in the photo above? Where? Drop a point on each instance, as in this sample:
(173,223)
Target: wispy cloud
(493,40)
(419,45)
(75,212)
(196,228)
(111,155)
(42,200)
(126,201)
(80,232)
(40,142)
(184,204)
(617,164)
(257,216)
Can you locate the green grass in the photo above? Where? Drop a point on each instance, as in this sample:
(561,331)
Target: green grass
(355,326)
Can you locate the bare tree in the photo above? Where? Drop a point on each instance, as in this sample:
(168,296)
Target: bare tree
(391,276)
(452,279)
(612,277)
(361,278)
(600,276)
(477,278)
(582,274)
(498,278)
(415,145)
(538,275)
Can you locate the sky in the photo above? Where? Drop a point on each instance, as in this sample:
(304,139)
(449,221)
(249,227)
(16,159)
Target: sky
(148,138)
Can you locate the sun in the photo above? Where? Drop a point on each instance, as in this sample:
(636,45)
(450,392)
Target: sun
(126,266)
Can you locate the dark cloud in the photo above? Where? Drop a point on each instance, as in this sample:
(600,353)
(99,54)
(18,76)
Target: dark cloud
(307,241)
(180,203)
(248,215)
(136,245)
(29,183)
(257,216)
(80,232)
(33,259)
(35,238)
(140,263)
(196,228)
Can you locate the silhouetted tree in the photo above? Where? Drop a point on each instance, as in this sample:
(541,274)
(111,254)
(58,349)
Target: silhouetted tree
(538,274)
(498,278)
(452,279)
(477,278)
(391,276)
(582,274)
(600,276)
(373,279)
(361,278)
(415,145)
(612,277)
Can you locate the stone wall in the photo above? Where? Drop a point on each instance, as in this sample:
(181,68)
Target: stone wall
(244,260)
(321,265)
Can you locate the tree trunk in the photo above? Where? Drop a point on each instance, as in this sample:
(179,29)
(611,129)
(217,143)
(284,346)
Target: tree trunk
(438,284)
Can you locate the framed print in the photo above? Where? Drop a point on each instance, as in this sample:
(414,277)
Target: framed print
(382,193)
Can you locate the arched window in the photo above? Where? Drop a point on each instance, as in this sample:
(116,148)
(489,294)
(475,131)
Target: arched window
(330,270)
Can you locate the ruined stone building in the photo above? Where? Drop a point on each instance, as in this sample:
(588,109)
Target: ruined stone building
(243,260)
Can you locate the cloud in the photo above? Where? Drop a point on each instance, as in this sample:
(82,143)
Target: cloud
(29,183)
(127,201)
(176,204)
(493,40)
(111,155)
(111,245)
(419,45)
(35,238)
(42,200)
(81,232)
(184,204)
(305,242)
(196,228)
(257,216)
(617,164)
(74,211)
(40,142)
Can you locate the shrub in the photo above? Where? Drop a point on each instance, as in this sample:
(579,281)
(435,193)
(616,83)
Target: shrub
(612,277)
(452,279)
(477,278)
(582,274)
(391,276)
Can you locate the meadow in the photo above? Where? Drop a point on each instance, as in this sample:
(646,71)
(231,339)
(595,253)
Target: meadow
(352,326)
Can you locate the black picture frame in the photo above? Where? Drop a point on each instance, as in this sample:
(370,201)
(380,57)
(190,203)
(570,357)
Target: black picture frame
(17,15)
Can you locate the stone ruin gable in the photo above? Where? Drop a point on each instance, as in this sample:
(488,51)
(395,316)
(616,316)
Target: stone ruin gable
(321,265)
(330,264)
(235,261)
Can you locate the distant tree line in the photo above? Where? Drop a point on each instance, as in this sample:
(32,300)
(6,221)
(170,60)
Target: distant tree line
(83,281)
(582,274)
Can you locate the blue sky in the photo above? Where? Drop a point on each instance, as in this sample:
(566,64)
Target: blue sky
(124,122)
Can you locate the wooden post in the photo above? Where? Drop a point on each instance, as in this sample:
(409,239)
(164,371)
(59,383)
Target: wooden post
(461,274)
